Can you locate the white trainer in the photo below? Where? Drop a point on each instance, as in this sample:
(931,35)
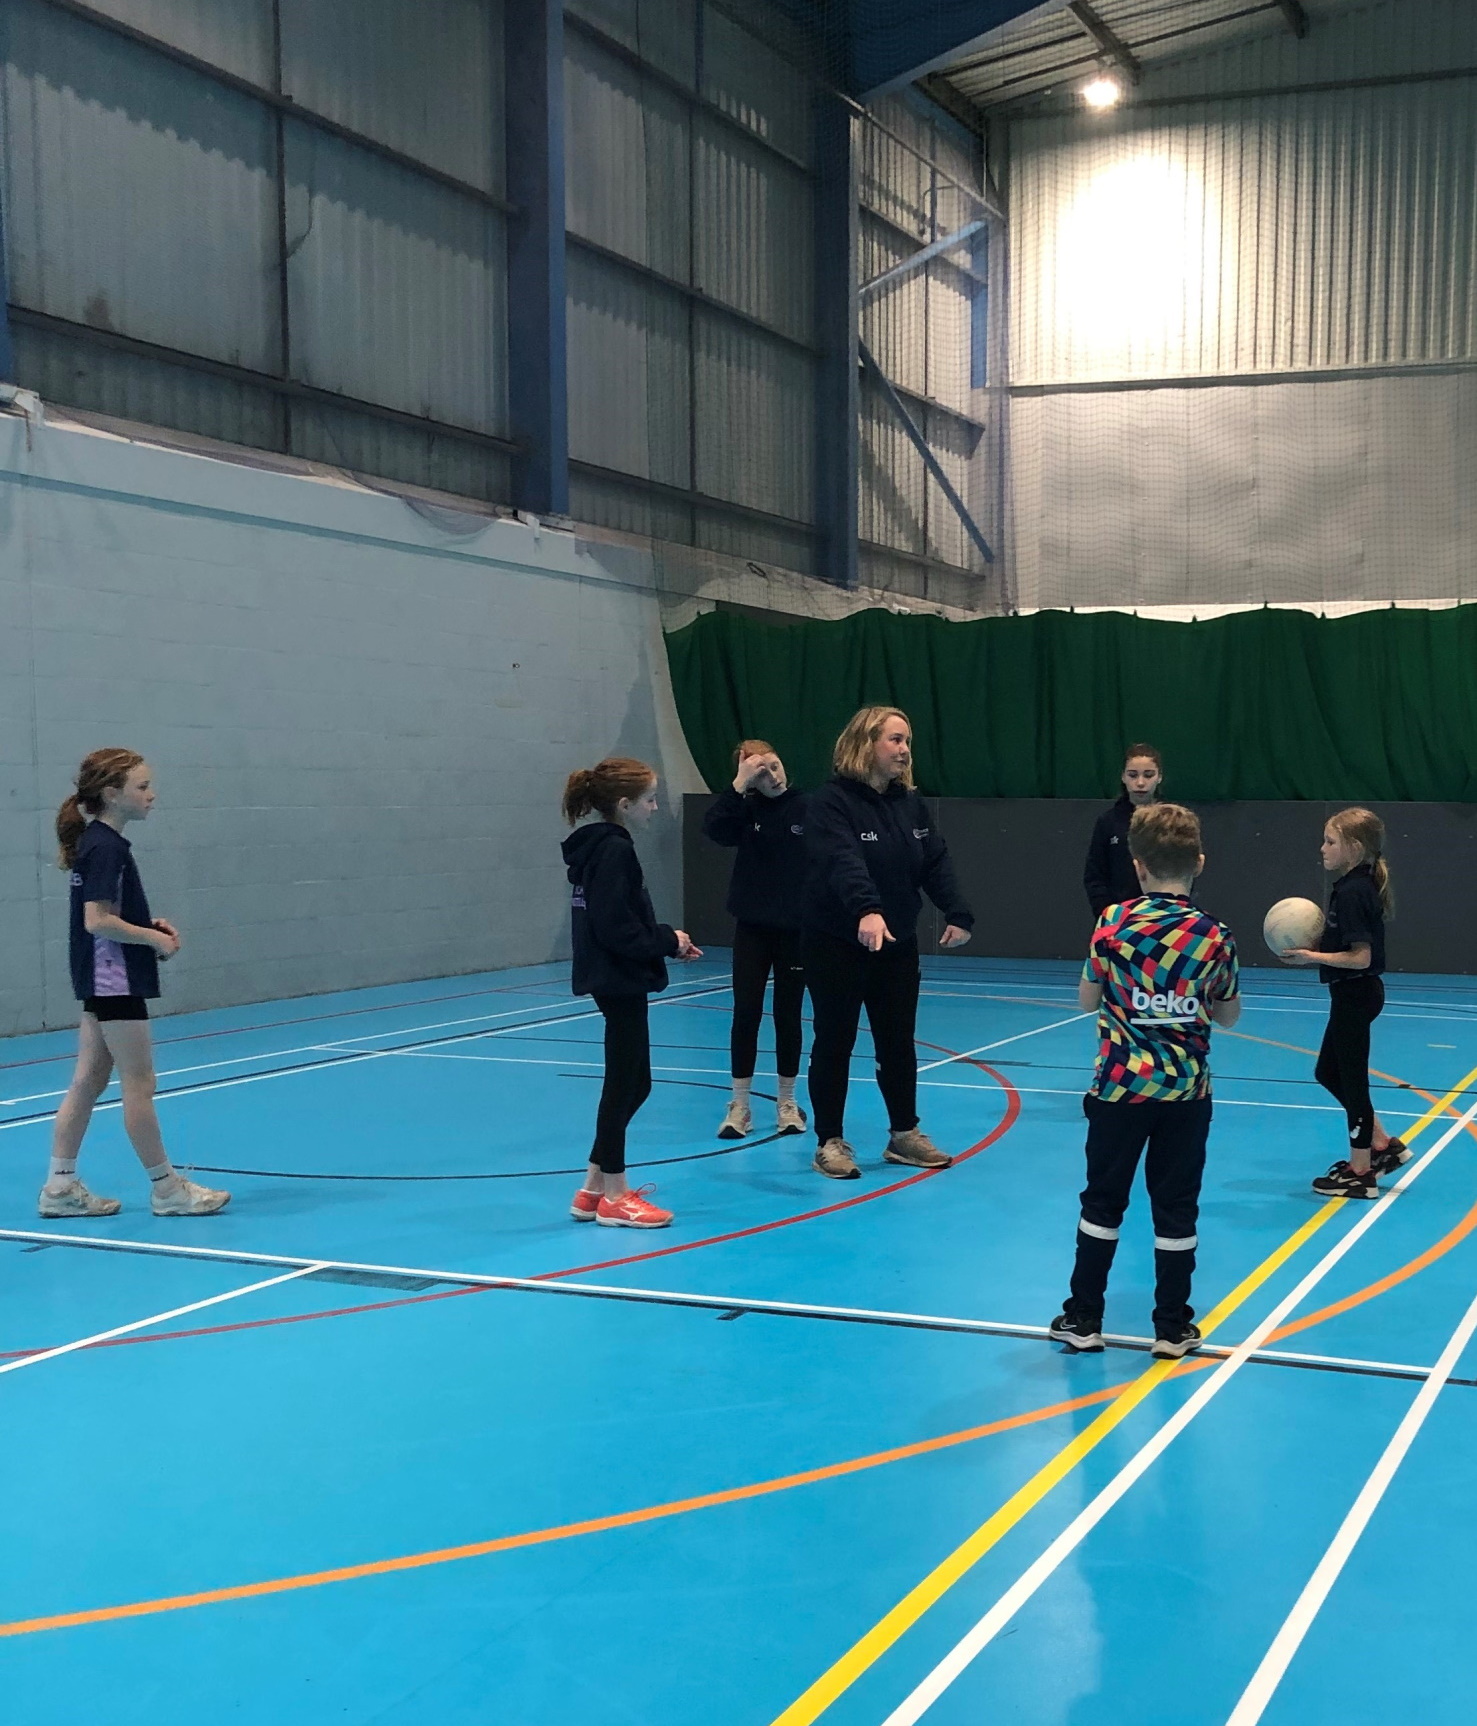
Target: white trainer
(74,1200)
(181,1198)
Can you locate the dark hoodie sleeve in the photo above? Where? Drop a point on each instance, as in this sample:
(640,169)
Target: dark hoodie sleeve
(613,906)
(724,819)
(834,850)
(941,884)
(1097,875)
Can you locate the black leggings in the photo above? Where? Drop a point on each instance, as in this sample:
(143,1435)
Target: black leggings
(843,977)
(757,949)
(1354,1003)
(627,1077)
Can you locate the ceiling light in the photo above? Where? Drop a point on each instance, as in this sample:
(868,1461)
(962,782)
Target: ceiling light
(1102,92)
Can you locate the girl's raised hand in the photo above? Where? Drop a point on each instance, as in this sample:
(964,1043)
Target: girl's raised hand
(749,769)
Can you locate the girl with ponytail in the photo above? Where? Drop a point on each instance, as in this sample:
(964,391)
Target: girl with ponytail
(619,958)
(116,945)
(1351,957)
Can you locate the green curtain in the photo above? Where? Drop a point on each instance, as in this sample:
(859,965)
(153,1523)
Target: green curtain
(1375,707)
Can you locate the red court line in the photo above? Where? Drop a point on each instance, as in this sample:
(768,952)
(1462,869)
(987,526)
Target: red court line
(1003,1126)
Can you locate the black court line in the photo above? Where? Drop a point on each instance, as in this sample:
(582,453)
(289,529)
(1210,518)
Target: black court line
(725,1307)
(726,1150)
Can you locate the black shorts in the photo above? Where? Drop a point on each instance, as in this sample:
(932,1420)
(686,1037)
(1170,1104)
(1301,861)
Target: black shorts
(109,1009)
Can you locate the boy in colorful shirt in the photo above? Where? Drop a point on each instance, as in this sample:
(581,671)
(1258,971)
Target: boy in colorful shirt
(1159,972)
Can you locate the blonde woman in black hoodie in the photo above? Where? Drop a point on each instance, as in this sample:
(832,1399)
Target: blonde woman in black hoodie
(873,848)
(620,953)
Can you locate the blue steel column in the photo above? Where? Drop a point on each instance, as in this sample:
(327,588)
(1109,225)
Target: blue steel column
(838,390)
(538,397)
(7,352)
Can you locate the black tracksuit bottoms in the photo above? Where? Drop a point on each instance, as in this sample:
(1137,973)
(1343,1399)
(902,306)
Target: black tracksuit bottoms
(1117,1133)
(843,977)
(758,949)
(1354,1003)
(627,1077)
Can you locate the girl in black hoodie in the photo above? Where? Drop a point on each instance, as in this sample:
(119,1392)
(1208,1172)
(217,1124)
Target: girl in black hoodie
(1108,876)
(619,957)
(872,846)
(763,817)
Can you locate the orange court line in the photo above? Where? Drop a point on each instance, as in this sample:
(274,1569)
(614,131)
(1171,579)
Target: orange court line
(737,1494)
(565,1531)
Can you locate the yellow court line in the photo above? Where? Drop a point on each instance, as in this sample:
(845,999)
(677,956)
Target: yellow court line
(863,1654)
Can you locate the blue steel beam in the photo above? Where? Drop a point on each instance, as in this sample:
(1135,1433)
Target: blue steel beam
(7,351)
(916,261)
(920,443)
(838,392)
(538,395)
(892,42)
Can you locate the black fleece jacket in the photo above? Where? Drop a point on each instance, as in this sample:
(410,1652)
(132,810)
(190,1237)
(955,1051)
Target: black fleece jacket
(619,947)
(769,870)
(873,851)
(1108,875)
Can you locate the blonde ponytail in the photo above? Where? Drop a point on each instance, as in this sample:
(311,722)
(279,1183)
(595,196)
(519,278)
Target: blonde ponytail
(1362,827)
(1380,870)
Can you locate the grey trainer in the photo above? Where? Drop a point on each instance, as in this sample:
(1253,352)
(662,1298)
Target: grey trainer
(835,1159)
(789,1117)
(74,1200)
(916,1149)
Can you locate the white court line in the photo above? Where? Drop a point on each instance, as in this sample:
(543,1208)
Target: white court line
(1220,1102)
(1020,1036)
(932,1084)
(351,1055)
(306,1269)
(1262,1003)
(280,1054)
(673,1297)
(956,1661)
(1289,1638)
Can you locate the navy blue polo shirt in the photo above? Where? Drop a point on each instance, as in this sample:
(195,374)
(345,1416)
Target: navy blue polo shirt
(1356,918)
(104,872)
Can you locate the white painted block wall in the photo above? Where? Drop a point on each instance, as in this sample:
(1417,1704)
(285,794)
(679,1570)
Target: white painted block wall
(360,719)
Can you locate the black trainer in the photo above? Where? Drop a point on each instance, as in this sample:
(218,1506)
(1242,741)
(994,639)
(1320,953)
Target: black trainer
(1174,1342)
(1341,1182)
(1386,1162)
(1078,1331)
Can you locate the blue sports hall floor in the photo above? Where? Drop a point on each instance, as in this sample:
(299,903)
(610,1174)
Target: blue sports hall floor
(807,1455)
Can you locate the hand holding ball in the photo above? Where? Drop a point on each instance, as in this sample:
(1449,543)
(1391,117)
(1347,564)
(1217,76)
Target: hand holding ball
(1292,925)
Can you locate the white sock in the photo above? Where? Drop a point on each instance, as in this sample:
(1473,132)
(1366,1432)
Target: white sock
(786,1090)
(62,1170)
(162,1172)
(741,1089)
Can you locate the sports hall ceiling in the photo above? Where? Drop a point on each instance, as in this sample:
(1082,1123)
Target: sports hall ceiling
(994,52)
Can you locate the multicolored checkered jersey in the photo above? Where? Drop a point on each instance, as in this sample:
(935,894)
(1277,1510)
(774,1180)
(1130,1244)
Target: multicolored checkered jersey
(1162,965)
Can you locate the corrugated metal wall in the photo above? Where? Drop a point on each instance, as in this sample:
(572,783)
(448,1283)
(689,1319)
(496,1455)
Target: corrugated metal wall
(932,335)
(1275,234)
(329,278)
(147,202)
(690,207)
(1228,230)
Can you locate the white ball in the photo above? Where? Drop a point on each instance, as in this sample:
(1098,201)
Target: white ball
(1292,923)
